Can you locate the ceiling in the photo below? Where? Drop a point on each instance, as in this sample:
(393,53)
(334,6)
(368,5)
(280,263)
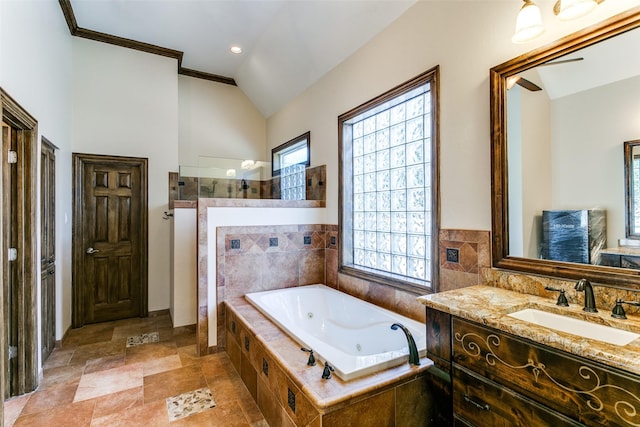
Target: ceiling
(287,44)
(600,64)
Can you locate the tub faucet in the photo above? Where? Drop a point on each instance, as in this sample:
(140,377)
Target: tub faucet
(414,358)
(312,359)
(589,299)
(326,373)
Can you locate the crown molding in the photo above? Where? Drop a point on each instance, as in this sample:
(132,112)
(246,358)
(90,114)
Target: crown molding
(75,30)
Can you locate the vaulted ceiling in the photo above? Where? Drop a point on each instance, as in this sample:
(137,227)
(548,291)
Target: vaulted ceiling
(287,44)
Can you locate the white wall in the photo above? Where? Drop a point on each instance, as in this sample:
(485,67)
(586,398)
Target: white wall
(184,265)
(35,70)
(466,38)
(218,120)
(589,131)
(125,103)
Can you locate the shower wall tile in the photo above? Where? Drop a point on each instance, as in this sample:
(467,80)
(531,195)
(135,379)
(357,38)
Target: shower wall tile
(254,263)
(472,248)
(311,267)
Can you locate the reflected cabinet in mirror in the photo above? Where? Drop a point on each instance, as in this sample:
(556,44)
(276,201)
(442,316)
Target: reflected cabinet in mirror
(632,193)
(563,204)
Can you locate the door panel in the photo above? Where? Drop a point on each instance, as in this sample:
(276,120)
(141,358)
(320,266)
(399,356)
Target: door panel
(48,255)
(111,264)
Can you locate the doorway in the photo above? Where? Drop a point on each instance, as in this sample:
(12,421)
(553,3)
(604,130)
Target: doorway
(47,247)
(18,341)
(110,267)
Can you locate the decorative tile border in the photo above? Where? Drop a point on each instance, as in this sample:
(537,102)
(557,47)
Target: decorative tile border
(189,403)
(143,339)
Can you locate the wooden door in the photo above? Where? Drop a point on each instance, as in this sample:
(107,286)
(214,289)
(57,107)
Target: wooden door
(10,267)
(110,238)
(48,247)
(18,213)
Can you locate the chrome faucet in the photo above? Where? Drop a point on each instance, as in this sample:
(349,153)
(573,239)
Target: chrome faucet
(589,299)
(414,358)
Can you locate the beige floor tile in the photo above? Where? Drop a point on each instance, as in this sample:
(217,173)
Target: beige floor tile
(162,364)
(110,381)
(173,383)
(153,414)
(13,407)
(49,398)
(74,414)
(147,352)
(117,402)
(94,380)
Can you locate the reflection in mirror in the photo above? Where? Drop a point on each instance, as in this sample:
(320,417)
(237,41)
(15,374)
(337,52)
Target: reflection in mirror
(559,115)
(632,193)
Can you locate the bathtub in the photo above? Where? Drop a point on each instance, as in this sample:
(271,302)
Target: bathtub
(354,336)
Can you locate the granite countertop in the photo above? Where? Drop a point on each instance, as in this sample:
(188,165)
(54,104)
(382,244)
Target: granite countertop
(490,306)
(622,250)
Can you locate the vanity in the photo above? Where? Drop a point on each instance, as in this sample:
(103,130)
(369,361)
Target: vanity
(505,371)
(621,256)
(494,365)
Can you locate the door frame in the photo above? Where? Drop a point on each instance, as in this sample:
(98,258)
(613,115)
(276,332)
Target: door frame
(78,246)
(27,261)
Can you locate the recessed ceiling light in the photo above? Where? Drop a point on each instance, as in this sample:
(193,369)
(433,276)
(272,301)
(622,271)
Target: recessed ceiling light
(235,49)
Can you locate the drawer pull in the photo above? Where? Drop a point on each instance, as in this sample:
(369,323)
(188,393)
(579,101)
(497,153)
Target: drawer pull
(480,406)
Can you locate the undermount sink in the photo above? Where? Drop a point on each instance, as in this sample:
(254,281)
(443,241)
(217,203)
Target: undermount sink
(574,326)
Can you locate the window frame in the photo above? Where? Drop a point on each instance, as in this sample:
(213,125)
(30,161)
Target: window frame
(282,148)
(345,196)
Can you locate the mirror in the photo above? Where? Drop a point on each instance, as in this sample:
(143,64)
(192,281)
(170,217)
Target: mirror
(544,159)
(632,188)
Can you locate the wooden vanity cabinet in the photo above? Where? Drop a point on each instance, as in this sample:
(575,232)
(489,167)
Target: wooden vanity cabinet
(439,375)
(500,379)
(617,258)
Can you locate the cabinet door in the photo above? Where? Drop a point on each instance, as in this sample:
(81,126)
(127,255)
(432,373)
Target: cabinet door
(439,338)
(630,261)
(484,403)
(591,393)
(610,260)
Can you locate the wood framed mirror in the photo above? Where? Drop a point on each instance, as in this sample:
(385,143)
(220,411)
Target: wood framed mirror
(519,225)
(632,189)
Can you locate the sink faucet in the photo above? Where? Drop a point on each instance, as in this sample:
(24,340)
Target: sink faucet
(589,299)
(414,358)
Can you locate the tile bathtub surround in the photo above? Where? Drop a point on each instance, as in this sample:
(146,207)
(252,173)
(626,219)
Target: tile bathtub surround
(248,261)
(396,396)
(95,380)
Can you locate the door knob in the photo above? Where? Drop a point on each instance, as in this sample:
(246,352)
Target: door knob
(92,251)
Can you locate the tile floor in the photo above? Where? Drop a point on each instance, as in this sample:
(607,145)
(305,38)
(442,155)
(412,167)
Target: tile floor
(135,372)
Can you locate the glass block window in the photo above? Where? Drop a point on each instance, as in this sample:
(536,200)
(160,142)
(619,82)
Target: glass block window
(387,161)
(292,182)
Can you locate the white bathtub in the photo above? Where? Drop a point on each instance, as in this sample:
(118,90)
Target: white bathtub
(354,336)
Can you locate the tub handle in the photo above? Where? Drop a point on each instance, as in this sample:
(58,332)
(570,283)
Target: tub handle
(326,374)
(312,359)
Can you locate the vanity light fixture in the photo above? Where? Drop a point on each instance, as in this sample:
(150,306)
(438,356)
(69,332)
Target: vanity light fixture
(529,21)
(567,10)
(236,49)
